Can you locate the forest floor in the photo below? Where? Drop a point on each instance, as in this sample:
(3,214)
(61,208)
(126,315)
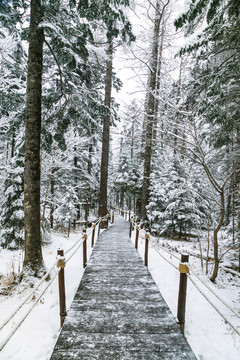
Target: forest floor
(207,332)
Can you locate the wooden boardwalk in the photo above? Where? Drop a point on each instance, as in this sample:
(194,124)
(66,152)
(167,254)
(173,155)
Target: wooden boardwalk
(118,312)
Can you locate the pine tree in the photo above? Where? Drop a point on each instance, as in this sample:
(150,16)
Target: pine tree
(12,215)
(127,173)
(110,14)
(214,92)
(12,111)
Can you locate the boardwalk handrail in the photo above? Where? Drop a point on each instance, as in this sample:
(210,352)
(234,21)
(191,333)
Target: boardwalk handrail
(142,235)
(26,314)
(46,276)
(202,293)
(214,306)
(38,285)
(194,273)
(102,284)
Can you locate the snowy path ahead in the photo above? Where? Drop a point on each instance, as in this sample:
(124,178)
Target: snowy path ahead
(118,312)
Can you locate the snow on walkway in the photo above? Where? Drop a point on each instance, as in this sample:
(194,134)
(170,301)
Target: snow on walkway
(118,312)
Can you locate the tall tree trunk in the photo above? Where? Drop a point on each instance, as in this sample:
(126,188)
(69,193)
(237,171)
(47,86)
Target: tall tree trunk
(106,135)
(215,238)
(52,197)
(122,199)
(132,141)
(158,84)
(75,164)
(13,145)
(237,196)
(90,165)
(33,261)
(150,106)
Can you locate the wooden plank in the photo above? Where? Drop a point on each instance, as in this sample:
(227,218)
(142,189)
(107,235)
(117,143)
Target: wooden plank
(118,312)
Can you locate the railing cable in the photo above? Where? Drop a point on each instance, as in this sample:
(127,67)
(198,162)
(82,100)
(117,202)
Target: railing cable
(27,313)
(215,308)
(27,297)
(80,242)
(197,287)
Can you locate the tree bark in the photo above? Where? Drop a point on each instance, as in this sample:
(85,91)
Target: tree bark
(33,261)
(150,107)
(52,197)
(103,210)
(158,84)
(237,196)
(215,238)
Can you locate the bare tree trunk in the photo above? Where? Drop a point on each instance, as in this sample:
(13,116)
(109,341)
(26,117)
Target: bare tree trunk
(122,199)
(144,130)
(33,260)
(132,141)
(75,164)
(86,212)
(7,154)
(46,199)
(89,193)
(13,145)
(215,238)
(52,195)
(106,136)
(237,197)
(150,105)
(159,68)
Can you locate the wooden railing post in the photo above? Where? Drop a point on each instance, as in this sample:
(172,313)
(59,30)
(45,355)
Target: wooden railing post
(93,234)
(183,268)
(129,215)
(137,236)
(112,217)
(84,249)
(146,249)
(61,285)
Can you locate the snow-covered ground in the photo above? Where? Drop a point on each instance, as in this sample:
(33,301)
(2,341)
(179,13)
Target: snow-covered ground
(206,331)
(209,335)
(36,337)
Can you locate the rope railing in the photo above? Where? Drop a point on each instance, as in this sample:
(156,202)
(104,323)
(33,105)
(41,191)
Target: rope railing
(204,295)
(169,262)
(67,251)
(76,247)
(182,268)
(27,297)
(6,340)
(194,273)
(215,294)
(214,306)
(38,285)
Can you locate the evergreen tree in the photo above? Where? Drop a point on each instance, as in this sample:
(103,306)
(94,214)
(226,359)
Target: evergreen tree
(12,215)
(127,178)
(214,92)
(12,99)
(116,25)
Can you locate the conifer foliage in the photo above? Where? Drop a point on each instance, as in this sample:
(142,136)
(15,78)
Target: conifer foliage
(64,112)
(174,158)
